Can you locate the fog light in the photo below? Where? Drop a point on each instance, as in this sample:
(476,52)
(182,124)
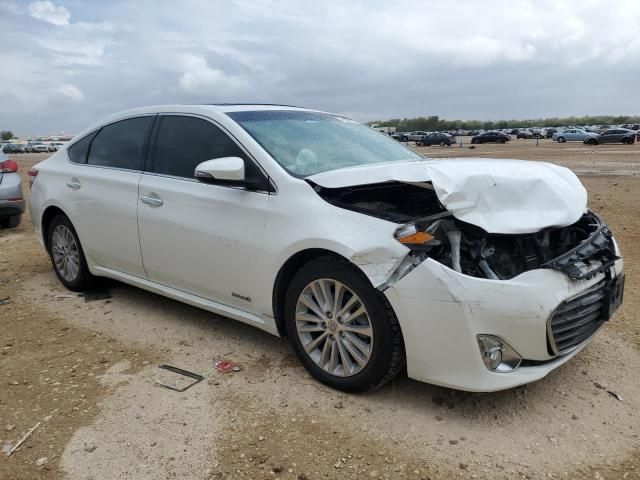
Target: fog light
(497,355)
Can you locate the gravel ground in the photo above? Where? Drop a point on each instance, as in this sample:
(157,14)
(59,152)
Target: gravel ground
(85,371)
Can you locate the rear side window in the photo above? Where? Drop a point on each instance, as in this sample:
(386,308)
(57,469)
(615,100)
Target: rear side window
(78,151)
(181,143)
(120,144)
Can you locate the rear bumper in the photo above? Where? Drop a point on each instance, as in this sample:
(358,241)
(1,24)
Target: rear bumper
(11,188)
(8,208)
(441,312)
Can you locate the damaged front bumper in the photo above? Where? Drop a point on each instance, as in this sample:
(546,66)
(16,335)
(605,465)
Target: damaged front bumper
(442,312)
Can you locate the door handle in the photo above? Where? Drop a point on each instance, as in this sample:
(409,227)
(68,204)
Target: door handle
(73,183)
(151,199)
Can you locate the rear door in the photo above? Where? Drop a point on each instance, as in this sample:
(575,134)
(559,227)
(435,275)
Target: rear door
(102,192)
(207,240)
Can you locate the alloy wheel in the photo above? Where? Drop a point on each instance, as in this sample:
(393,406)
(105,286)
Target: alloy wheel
(334,327)
(64,250)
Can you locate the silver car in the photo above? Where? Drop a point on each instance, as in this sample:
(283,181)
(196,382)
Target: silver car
(11,198)
(570,135)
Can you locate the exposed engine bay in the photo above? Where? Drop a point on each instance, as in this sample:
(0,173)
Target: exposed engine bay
(580,250)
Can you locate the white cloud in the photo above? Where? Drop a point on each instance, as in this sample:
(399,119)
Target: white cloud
(48,12)
(71,92)
(199,77)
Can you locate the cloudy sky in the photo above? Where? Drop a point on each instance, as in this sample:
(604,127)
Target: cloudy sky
(67,63)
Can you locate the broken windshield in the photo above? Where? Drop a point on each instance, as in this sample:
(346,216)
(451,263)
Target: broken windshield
(305,143)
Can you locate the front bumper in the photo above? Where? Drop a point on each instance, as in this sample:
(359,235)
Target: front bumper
(441,312)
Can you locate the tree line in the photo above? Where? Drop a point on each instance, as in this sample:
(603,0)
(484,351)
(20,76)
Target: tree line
(434,122)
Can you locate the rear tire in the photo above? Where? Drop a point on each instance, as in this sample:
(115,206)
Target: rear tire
(592,141)
(321,281)
(561,140)
(67,256)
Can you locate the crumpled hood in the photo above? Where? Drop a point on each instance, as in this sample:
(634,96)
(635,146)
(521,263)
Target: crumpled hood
(499,196)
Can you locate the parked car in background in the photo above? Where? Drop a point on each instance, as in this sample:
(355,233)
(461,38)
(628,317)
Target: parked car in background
(417,135)
(54,146)
(12,202)
(491,137)
(537,133)
(39,147)
(400,136)
(436,138)
(13,148)
(549,132)
(524,134)
(570,135)
(613,135)
(248,211)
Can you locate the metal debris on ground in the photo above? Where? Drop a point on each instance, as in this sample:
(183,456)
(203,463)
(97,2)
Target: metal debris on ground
(615,395)
(179,371)
(97,294)
(23,439)
(4,301)
(226,366)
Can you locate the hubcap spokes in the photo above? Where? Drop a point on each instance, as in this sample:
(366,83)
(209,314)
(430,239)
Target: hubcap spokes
(334,327)
(65,253)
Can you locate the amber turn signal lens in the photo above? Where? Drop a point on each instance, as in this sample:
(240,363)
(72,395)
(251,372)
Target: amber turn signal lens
(418,238)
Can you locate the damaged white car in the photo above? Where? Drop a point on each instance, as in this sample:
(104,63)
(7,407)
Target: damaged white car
(475,274)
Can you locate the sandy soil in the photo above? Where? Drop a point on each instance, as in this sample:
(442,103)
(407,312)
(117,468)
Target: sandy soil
(85,371)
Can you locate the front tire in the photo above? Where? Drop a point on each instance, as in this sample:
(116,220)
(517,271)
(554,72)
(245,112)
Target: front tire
(592,141)
(343,330)
(67,256)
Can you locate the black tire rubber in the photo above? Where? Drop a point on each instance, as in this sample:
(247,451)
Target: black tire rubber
(11,221)
(388,356)
(593,141)
(502,140)
(561,139)
(84,280)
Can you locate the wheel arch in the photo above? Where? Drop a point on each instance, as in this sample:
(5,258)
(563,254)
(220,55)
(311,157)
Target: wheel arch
(287,272)
(47,216)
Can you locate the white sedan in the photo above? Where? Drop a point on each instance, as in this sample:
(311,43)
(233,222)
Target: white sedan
(472,273)
(570,135)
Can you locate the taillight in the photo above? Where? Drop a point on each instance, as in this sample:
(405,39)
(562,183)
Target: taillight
(32,174)
(8,166)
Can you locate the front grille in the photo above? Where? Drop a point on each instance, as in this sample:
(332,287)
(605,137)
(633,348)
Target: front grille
(577,318)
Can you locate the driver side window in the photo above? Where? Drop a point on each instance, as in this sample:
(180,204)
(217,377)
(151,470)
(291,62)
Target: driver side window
(181,143)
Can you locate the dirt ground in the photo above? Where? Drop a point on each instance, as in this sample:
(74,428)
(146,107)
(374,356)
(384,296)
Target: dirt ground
(84,371)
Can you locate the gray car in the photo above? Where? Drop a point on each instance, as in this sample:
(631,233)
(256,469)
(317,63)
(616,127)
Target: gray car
(11,198)
(612,135)
(417,135)
(570,135)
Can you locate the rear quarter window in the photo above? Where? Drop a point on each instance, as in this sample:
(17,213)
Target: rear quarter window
(78,151)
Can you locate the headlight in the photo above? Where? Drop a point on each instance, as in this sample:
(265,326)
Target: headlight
(497,355)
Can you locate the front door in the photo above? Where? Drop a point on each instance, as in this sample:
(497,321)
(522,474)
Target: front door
(203,239)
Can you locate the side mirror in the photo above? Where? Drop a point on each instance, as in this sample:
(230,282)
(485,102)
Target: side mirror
(229,170)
